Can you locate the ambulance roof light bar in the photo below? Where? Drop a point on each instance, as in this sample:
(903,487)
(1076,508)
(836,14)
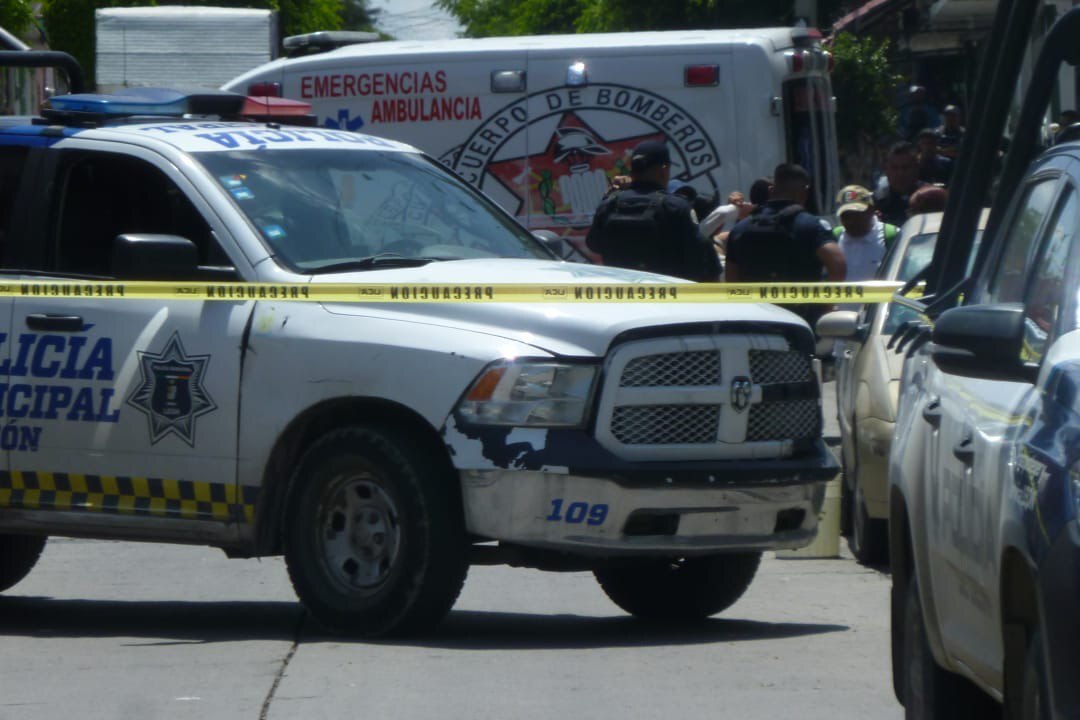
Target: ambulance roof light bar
(324,41)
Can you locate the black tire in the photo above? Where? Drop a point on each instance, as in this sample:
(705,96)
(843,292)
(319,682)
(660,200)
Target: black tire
(869,539)
(931,692)
(374,538)
(1035,701)
(18,555)
(679,589)
(847,498)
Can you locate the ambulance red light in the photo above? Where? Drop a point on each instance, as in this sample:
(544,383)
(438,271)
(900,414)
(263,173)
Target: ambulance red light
(265,89)
(266,105)
(702,75)
(277,110)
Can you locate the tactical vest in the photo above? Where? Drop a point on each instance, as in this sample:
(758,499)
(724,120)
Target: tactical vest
(635,232)
(767,249)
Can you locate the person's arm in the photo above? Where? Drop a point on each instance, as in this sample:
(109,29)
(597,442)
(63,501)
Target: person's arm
(718,219)
(699,259)
(732,273)
(832,259)
(594,240)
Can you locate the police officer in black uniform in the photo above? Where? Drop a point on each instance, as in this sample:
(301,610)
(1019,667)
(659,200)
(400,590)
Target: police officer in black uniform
(783,242)
(645,228)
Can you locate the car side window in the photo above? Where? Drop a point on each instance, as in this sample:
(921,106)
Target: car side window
(1010,272)
(1046,289)
(104,195)
(12,165)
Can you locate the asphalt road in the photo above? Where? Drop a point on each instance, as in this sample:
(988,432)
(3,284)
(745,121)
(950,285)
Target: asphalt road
(124,630)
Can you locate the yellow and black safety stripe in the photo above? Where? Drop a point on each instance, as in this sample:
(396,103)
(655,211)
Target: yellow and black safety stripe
(137,496)
(873,291)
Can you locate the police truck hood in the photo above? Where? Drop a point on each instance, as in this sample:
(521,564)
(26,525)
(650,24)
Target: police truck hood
(576,329)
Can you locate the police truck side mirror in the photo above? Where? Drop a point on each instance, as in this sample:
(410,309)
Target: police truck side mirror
(983,341)
(557,245)
(145,256)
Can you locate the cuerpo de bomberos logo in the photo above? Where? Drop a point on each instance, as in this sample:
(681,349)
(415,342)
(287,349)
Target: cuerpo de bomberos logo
(554,151)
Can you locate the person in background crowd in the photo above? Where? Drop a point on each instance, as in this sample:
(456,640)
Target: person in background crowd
(917,113)
(934,167)
(862,237)
(644,228)
(929,198)
(784,242)
(687,192)
(725,216)
(900,180)
(718,224)
(951,133)
(1067,118)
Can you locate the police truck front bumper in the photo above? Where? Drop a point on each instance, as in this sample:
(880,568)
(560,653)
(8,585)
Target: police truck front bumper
(649,514)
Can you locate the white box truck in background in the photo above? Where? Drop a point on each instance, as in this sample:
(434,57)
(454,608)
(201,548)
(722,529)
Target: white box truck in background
(180,46)
(540,124)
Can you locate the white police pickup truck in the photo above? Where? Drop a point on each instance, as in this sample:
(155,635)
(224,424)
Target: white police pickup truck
(380,447)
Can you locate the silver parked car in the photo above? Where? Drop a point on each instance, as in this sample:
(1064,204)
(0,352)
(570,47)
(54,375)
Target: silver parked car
(867,384)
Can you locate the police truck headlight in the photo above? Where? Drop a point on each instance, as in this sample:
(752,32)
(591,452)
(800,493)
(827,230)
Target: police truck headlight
(536,393)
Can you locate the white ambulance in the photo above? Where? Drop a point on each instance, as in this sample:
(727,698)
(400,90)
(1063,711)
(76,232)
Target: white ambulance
(540,124)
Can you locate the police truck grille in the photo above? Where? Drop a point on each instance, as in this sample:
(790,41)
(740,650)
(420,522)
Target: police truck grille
(665,424)
(788,420)
(779,366)
(673,369)
(707,397)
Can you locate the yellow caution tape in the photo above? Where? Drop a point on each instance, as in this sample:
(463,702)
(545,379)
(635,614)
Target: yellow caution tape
(876,291)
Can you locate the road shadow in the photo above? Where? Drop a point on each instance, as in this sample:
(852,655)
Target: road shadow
(477,630)
(166,622)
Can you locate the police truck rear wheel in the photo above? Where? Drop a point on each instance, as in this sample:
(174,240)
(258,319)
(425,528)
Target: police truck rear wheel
(679,589)
(375,540)
(18,555)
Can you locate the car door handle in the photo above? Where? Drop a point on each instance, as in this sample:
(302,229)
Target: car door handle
(964,452)
(62,323)
(932,413)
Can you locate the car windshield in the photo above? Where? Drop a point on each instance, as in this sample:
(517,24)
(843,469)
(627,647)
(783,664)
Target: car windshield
(331,210)
(917,255)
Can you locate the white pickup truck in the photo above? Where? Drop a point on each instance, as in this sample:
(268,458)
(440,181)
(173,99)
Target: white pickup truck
(380,447)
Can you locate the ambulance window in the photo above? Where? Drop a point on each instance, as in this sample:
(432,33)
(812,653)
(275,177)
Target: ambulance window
(12,162)
(103,195)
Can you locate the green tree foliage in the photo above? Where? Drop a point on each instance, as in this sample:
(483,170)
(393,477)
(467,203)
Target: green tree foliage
(69,24)
(483,18)
(863,83)
(16,15)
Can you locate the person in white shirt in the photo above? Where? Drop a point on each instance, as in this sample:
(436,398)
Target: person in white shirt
(862,236)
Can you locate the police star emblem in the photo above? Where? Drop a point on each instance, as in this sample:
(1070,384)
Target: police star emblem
(172,392)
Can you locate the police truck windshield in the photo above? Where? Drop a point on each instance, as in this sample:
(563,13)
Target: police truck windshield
(325,210)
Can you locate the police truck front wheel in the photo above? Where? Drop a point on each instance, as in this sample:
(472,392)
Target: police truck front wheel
(18,555)
(375,540)
(680,588)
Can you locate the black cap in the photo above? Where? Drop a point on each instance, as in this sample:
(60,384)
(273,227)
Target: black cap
(951,109)
(649,154)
